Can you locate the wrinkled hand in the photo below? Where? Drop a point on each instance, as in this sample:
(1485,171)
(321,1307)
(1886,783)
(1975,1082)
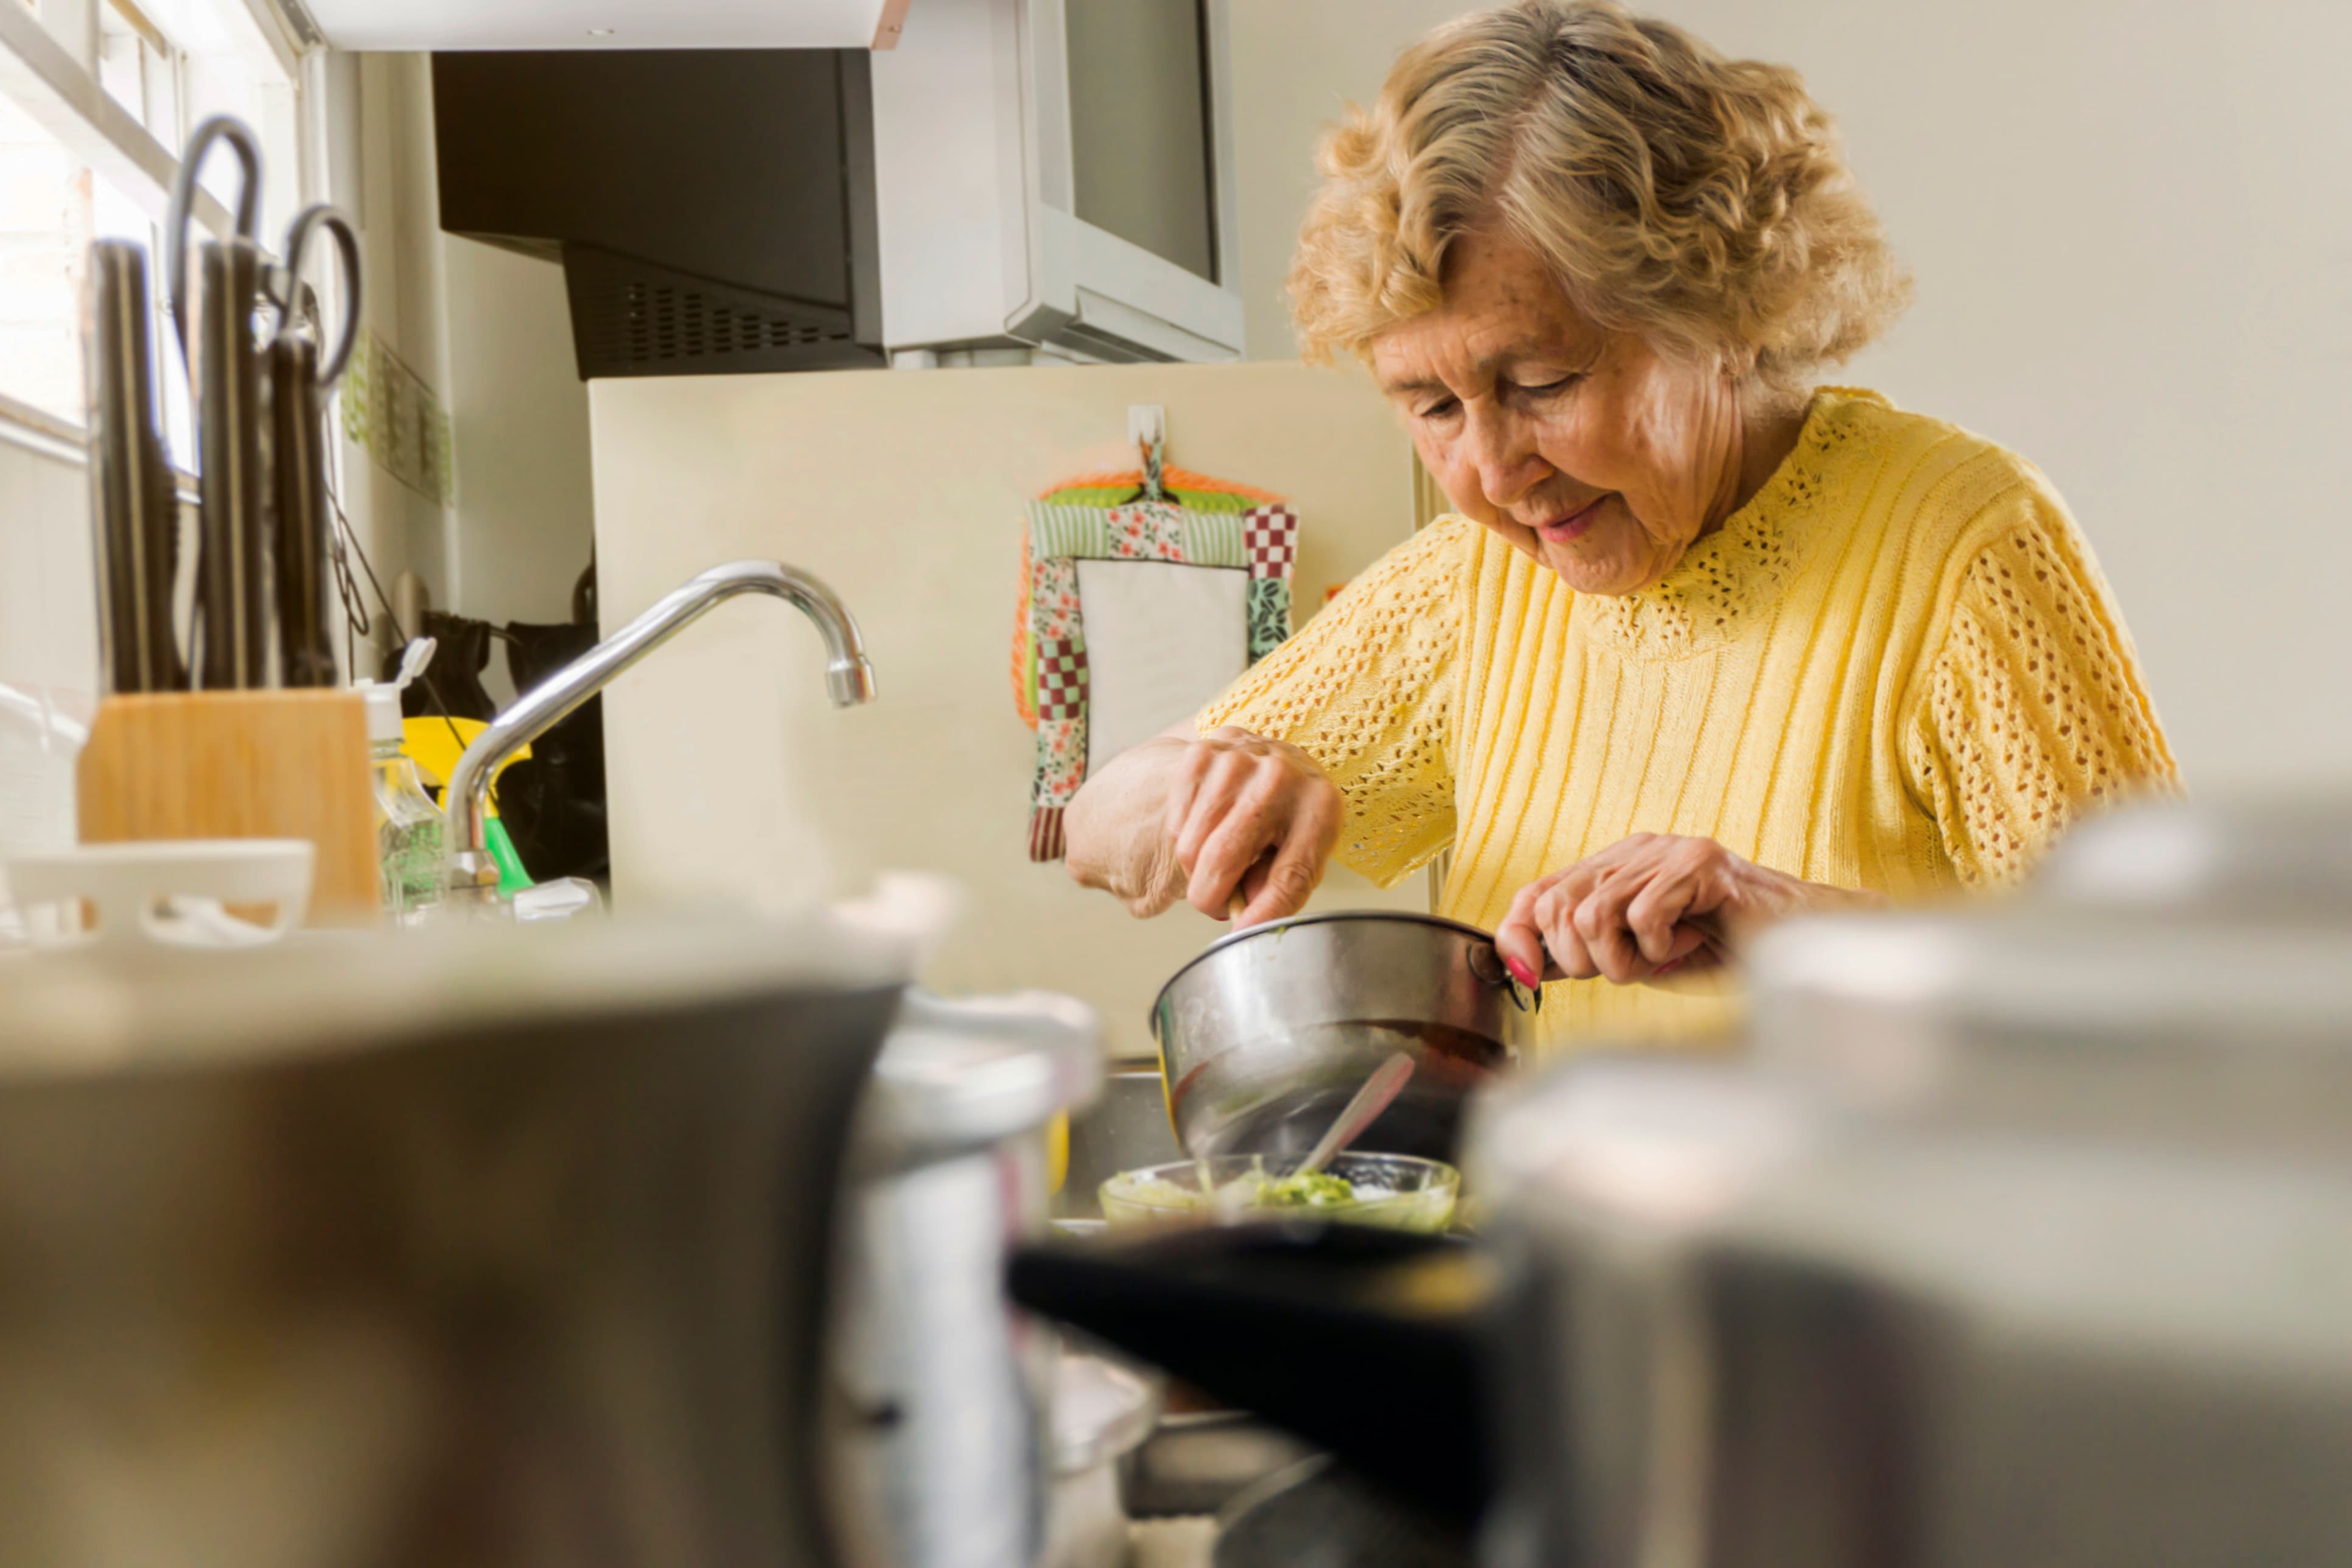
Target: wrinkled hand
(1253,816)
(1648,906)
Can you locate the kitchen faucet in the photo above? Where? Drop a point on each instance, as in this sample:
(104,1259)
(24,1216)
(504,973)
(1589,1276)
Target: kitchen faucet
(848,680)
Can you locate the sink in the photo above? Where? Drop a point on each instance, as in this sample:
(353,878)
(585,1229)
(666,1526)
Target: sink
(1127,1127)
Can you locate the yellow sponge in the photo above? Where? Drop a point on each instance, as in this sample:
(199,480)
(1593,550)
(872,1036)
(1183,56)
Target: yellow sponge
(434,744)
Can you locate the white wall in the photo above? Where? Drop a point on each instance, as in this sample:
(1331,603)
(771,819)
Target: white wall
(490,332)
(2134,251)
(730,778)
(48,643)
(380,125)
(518,414)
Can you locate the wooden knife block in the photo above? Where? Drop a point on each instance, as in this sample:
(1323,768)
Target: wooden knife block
(241,765)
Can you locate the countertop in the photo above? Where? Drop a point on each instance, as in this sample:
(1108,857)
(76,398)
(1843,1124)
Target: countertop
(1188,1542)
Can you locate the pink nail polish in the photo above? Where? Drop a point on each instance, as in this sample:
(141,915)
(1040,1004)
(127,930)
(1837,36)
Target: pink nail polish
(1520,972)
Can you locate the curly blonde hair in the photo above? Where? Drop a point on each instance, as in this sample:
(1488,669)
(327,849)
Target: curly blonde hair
(1702,203)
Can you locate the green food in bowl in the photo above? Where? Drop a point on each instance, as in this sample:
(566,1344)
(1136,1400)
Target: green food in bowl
(1398,1191)
(1321,1189)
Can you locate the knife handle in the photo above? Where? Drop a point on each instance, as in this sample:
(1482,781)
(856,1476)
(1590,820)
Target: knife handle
(306,649)
(233,644)
(134,506)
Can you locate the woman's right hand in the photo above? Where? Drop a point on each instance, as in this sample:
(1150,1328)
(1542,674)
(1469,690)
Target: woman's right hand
(1205,818)
(1250,817)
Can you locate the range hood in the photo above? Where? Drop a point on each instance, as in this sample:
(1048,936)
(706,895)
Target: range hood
(713,209)
(1015,179)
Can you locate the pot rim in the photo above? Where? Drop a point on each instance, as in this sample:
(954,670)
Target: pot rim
(1322,917)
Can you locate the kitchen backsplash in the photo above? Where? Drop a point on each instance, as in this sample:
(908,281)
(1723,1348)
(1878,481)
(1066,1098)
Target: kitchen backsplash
(907,491)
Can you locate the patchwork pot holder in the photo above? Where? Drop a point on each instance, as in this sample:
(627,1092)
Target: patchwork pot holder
(1151,514)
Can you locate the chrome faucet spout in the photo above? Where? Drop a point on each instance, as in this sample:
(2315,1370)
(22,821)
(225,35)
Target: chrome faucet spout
(849,681)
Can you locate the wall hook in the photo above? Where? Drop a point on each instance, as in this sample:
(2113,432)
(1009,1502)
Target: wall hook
(1147,426)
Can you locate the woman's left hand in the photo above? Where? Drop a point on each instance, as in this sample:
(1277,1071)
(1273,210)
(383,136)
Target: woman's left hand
(1648,906)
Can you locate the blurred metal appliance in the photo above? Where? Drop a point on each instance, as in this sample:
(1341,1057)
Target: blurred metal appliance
(1196,1462)
(1364,1342)
(2027,1235)
(2276,857)
(1267,1033)
(940,1389)
(484,1244)
(2179,972)
(1319,1514)
(2022,1234)
(1102,1412)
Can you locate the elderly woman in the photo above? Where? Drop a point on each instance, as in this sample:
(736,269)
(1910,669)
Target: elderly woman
(1704,643)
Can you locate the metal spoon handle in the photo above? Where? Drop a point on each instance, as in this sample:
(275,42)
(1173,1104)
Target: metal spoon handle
(1385,1084)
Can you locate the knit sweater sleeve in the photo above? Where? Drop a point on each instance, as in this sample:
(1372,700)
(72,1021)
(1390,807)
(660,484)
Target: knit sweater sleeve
(1366,688)
(2033,711)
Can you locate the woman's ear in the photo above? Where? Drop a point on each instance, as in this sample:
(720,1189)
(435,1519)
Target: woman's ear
(1758,392)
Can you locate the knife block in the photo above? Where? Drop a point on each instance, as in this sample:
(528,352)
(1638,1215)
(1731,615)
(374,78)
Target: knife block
(240,764)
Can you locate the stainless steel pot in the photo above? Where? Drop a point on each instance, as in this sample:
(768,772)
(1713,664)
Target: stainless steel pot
(940,1389)
(2023,1232)
(470,1245)
(1753,1327)
(2020,1233)
(1266,1034)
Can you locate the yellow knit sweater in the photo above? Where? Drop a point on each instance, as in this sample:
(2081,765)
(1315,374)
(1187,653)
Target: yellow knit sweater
(1895,667)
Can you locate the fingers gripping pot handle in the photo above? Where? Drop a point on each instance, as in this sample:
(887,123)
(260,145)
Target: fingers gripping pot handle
(1487,964)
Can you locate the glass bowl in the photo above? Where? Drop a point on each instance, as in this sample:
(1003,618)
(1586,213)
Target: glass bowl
(1401,1192)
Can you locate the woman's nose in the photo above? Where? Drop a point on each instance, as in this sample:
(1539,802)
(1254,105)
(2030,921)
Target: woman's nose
(1503,454)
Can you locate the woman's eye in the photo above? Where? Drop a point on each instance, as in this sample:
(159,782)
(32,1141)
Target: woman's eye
(1443,408)
(1548,388)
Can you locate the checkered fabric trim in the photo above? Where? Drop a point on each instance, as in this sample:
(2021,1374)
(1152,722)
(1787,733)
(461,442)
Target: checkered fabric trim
(1270,535)
(1062,678)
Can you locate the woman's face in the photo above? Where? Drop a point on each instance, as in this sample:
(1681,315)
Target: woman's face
(1586,450)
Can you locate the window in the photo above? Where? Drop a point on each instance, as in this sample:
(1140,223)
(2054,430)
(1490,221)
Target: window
(139,66)
(227,65)
(44,229)
(165,65)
